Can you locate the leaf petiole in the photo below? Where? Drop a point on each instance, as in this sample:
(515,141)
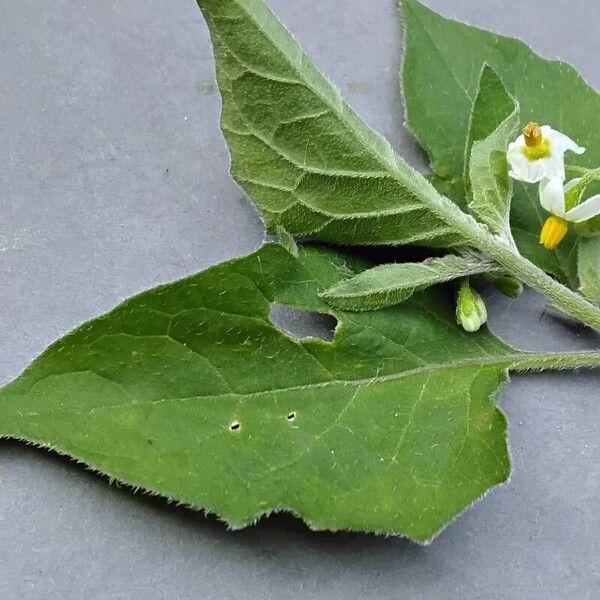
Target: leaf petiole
(538,361)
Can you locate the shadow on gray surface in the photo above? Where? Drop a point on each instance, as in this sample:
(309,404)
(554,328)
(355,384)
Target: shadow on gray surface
(278,527)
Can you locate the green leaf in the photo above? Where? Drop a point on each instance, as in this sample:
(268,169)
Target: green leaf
(589,228)
(588,262)
(442,64)
(391,284)
(286,239)
(189,391)
(301,154)
(491,107)
(494,121)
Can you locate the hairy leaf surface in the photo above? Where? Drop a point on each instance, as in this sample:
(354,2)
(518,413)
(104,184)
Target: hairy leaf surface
(442,64)
(494,121)
(492,105)
(386,285)
(188,390)
(588,264)
(302,155)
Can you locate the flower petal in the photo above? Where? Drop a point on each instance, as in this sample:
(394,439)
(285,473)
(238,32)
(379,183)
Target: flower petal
(551,167)
(518,143)
(560,142)
(527,170)
(518,163)
(533,171)
(584,211)
(552,196)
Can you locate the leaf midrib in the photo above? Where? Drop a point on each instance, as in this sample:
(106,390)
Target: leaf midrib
(504,361)
(391,167)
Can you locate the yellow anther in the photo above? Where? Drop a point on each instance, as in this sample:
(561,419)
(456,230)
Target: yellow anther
(553,232)
(536,145)
(533,135)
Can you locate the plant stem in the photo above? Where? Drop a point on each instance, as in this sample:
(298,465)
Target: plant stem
(538,361)
(561,297)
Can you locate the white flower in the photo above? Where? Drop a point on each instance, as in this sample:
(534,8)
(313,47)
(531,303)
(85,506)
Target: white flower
(539,153)
(555,199)
(552,197)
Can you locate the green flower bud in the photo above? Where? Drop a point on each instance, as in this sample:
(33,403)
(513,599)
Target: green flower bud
(506,284)
(471,313)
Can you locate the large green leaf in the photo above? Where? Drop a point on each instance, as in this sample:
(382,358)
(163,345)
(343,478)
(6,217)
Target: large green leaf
(303,156)
(442,63)
(188,390)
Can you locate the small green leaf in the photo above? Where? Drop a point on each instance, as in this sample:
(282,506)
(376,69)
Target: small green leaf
(442,65)
(588,262)
(301,154)
(496,117)
(189,390)
(491,107)
(391,284)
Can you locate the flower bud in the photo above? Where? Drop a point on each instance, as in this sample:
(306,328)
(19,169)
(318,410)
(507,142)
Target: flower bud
(471,313)
(506,284)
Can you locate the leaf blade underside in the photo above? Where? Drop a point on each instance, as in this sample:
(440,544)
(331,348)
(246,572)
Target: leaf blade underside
(303,156)
(188,390)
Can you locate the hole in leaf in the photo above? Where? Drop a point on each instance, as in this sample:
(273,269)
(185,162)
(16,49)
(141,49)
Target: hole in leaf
(291,416)
(303,323)
(235,426)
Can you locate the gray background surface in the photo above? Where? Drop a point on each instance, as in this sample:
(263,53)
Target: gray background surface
(113,178)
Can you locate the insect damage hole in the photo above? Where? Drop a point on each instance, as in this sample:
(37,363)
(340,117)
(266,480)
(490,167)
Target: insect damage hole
(301,324)
(234,426)
(291,416)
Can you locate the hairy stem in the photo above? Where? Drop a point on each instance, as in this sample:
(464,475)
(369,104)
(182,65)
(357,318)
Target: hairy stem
(538,361)
(561,297)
